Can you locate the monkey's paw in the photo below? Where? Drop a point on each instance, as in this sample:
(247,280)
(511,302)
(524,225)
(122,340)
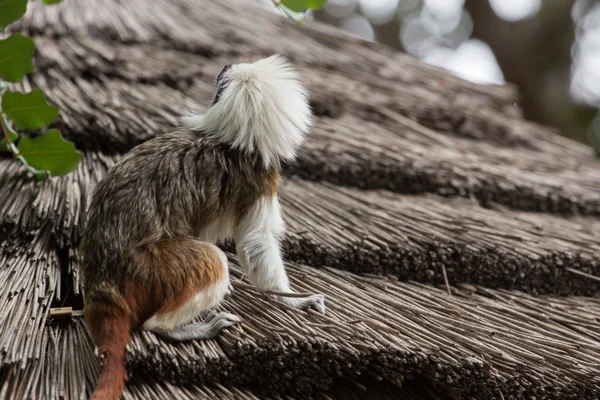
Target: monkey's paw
(316,302)
(229,292)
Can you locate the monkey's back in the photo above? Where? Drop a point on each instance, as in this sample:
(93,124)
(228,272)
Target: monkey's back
(172,186)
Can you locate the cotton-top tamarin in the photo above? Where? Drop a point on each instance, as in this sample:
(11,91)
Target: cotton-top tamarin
(150,258)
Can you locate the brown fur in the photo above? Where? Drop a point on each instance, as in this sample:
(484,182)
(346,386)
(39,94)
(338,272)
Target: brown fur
(113,335)
(138,255)
(187,267)
(172,186)
(109,324)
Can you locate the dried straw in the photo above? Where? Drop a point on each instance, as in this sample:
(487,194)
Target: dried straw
(404,131)
(122,70)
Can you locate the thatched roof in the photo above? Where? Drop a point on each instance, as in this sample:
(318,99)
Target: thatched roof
(409,173)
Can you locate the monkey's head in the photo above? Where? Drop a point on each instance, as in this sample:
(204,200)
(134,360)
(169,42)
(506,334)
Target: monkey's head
(258,107)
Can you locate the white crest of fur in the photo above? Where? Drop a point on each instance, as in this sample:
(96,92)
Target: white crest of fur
(264,108)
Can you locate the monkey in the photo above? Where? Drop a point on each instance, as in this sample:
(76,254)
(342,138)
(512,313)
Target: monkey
(150,259)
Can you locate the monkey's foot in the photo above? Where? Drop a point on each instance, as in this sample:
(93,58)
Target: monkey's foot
(207,329)
(316,302)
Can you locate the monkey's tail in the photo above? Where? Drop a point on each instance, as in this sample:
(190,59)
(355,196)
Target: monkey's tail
(109,319)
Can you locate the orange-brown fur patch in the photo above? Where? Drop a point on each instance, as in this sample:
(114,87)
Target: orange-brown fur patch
(110,328)
(166,275)
(162,277)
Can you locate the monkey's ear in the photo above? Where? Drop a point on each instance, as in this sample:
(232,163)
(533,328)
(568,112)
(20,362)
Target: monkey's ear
(220,84)
(226,68)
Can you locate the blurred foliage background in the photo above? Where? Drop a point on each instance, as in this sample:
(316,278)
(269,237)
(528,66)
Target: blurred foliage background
(550,49)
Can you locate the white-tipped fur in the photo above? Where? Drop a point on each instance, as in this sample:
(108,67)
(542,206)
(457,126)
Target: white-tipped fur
(263,108)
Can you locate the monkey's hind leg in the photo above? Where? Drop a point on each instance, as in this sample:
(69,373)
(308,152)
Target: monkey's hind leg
(175,319)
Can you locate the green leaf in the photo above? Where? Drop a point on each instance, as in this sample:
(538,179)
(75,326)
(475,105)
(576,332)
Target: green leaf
(296,16)
(11,10)
(16,54)
(29,110)
(49,2)
(50,153)
(12,135)
(304,5)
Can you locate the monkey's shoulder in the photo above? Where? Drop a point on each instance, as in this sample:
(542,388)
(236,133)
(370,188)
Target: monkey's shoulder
(165,149)
(171,142)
